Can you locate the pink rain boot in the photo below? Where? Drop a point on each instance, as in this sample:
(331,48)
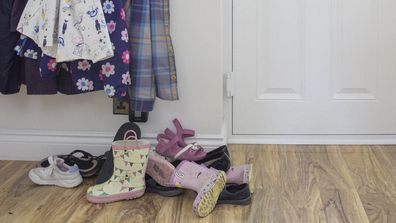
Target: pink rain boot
(160,170)
(241,175)
(206,182)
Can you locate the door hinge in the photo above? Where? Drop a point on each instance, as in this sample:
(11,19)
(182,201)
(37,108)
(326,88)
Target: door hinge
(230,85)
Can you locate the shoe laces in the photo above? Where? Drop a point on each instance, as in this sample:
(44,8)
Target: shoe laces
(48,171)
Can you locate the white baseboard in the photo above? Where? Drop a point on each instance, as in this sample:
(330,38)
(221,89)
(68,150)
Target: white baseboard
(313,139)
(36,145)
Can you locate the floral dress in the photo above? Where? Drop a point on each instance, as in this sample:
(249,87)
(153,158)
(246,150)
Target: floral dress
(67,30)
(112,74)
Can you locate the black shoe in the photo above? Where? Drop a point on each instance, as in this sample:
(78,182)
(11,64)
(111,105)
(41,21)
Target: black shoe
(218,159)
(215,153)
(154,187)
(222,163)
(235,194)
(108,167)
(231,194)
(88,164)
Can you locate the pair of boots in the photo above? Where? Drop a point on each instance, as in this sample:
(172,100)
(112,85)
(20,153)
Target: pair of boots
(128,179)
(132,162)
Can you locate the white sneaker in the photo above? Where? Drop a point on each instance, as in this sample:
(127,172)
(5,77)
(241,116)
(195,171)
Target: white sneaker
(57,173)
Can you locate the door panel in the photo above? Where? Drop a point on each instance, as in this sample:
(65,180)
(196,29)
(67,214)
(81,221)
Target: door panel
(281,29)
(355,48)
(314,67)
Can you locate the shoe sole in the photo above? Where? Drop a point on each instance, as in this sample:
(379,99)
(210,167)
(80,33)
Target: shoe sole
(115,197)
(245,201)
(70,183)
(165,193)
(251,179)
(206,199)
(160,170)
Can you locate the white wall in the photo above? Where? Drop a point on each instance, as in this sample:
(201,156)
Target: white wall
(197,36)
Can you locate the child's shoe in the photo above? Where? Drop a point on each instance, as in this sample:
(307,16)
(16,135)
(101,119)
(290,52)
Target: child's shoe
(208,183)
(218,159)
(170,148)
(108,166)
(172,145)
(241,175)
(235,194)
(127,181)
(57,173)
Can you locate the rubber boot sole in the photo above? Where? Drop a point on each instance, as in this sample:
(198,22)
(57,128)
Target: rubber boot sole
(251,179)
(116,197)
(206,199)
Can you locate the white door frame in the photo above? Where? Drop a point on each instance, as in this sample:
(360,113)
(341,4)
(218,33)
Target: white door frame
(233,138)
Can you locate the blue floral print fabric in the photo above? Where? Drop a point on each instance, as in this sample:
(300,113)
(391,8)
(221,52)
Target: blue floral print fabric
(112,74)
(67,30)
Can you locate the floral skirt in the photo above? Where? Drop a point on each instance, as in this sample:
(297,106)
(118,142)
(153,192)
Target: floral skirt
(112,74)
(67,30)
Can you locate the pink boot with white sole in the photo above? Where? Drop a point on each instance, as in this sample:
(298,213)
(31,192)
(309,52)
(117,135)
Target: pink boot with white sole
(208,183)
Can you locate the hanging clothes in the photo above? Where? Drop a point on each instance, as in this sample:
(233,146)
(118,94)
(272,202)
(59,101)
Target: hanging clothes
(153,69)
(152,61)
(63,82)
(111,75)
(16,13)
(36,85)
(9,64)
(68,30)
(26,70)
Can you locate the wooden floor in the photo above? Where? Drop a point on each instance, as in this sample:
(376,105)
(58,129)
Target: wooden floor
(354,184)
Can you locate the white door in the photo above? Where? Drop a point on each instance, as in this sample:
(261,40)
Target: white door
(314,67)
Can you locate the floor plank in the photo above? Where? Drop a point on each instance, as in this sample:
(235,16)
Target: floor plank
(293,184)
(374,174)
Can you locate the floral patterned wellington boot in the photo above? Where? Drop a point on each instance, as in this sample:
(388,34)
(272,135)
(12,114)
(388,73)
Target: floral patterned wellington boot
(241,175)
(127,181)
(208,183)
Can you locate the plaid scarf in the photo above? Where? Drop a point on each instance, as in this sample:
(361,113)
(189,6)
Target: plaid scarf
(152,60)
